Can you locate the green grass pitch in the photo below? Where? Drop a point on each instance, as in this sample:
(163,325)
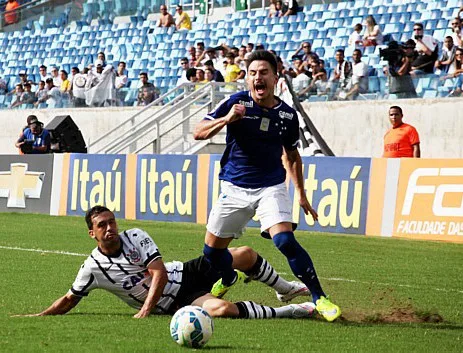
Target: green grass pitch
(396,295)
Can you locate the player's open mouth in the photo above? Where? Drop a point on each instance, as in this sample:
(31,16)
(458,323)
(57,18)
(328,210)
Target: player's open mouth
(260,88)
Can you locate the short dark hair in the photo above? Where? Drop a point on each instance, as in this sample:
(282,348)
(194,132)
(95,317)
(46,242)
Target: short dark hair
(396,107)
(122,62)
(263,55)
(449,37)
(94,211)
(209,63)
(184,59)
(143,74)
(64,72)
(357,50)
(358,27)
(42,67)
(418,24)
(49,80)
(340,51)
(75,68)
(251,45)
(190,73)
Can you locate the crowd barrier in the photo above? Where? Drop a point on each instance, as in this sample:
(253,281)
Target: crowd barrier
(406,198)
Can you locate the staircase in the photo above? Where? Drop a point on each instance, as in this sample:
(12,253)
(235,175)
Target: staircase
(166,125)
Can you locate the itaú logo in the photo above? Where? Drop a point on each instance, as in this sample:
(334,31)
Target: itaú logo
(439,190)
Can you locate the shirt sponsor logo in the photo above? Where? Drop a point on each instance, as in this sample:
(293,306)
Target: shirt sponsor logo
(285,115)
(247,104)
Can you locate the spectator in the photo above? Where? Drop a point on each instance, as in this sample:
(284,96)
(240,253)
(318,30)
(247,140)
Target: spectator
(43,73)
(372,35)
(306,48)
(3,85)
(121,77)
(456,31)
(276,9)
(183,20)
(249,49)
(200,78)
(342,72)
(28,97)
(56,77)
(217,76)
(359,79)
(232,72)
(74,71)
(101,56)
(41,92)
(185,65)
(456,75)
(22,77)
(10,15)
(426,47)
(209,75)
(79,83)
(65,87)
(35,139)
(402,139)
(192,52)
(400,81)
(445,62)
(165,19)
(283,74)
(191,75)
(301,78)
(355,39)
(319,84)
(200,47)
(53,96)
(17,92)
(240,59)
(290,7)
(147,92)
(208,54)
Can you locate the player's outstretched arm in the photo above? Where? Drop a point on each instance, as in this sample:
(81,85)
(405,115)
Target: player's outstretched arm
(293,165)
(159,280)
(207,129)
(59,307)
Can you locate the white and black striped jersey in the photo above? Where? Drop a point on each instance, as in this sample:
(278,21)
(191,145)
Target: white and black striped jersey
(125,274)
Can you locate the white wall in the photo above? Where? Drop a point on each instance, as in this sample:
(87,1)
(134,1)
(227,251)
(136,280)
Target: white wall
(350,128)
(357,128)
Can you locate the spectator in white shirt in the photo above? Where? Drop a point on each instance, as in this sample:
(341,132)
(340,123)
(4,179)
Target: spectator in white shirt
(121,78)
(355,39)
(445,64)
(57,81)
(359,80)
(426,47)
(456,31)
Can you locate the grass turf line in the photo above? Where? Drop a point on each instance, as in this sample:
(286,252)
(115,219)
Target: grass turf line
(29,282)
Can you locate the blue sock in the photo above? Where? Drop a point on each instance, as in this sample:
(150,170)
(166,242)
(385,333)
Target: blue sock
(300,262)
(221,261)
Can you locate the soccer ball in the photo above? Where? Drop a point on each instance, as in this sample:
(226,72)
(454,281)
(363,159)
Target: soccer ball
(191,326)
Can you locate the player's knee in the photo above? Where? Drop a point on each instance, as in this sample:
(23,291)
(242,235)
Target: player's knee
(247,253)
(219,308)
(286,243)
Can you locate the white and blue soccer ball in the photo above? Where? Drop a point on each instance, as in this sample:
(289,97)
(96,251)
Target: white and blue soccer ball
(191,326)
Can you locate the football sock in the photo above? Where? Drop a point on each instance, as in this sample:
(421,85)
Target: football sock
(251,310)
(300,262)
(221,261)
(263,272)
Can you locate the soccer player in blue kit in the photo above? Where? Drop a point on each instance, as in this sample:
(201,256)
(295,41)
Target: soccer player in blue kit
(261,129)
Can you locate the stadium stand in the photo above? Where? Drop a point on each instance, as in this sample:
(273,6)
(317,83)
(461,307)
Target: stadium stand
(145,47)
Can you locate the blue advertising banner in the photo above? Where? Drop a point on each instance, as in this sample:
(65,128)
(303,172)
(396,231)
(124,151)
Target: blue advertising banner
(337,188)
(166,187)
(96,180)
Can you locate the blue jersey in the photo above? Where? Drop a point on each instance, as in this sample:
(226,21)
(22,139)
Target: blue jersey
(37,141)
(252,158)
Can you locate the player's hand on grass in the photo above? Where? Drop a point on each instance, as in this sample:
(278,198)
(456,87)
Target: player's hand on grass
(236,113)
(142,314)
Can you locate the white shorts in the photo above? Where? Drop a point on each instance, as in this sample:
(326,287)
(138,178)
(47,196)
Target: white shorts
(236,206)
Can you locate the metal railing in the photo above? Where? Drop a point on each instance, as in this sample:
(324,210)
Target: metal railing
(166,128)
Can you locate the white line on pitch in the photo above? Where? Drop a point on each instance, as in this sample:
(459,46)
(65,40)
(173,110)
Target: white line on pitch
(43,251)
(59,252)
